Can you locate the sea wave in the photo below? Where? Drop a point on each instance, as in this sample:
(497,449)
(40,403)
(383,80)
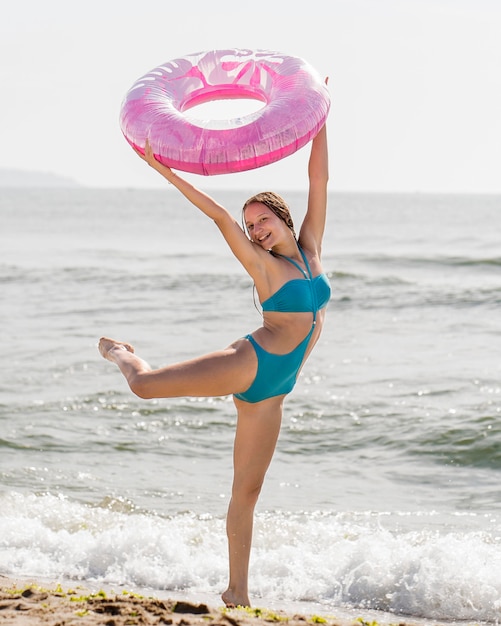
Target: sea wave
(394,562)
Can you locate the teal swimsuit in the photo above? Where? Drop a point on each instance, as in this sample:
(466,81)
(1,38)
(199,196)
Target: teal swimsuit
(277,373)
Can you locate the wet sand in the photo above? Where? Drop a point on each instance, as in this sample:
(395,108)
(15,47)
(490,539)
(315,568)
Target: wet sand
(30,602)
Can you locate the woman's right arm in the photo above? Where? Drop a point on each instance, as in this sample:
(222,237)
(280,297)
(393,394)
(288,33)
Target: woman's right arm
(198,198)
(246,252)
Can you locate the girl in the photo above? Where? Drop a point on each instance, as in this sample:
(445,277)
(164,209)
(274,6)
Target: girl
(261,368)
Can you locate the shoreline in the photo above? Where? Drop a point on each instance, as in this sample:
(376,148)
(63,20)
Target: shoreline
(31,601)
(26,601)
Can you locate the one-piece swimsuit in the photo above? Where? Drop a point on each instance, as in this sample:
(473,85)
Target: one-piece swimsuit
(277,373)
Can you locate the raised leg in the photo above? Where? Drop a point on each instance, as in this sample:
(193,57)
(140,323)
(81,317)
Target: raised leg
(258,426)
(220,373)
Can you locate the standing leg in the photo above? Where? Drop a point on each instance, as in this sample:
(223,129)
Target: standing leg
(258,426)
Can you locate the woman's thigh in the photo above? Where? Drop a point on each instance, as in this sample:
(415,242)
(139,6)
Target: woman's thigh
(219,373)
(258,427)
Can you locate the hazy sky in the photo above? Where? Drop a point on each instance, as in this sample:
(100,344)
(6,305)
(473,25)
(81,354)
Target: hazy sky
(415,85)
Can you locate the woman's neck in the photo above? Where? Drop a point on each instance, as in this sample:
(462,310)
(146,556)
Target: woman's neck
(289,249)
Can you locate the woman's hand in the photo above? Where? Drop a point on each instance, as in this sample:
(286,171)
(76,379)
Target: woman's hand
(149,157)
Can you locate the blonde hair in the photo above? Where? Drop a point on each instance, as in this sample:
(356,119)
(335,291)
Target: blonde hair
(275,203)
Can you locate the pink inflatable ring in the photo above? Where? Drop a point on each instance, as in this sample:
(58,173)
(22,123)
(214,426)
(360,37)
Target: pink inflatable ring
(155,108)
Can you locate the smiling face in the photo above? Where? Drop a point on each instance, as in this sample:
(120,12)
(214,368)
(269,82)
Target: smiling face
(264,227)
(265,216)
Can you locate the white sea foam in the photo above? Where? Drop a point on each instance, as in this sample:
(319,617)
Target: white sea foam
(385,562)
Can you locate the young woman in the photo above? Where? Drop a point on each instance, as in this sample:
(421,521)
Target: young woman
(262,368)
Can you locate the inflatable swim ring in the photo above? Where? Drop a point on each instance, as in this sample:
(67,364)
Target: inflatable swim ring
(156,107)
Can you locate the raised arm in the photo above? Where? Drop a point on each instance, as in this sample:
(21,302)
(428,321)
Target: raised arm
(240,245)
(198,198)
(312,229)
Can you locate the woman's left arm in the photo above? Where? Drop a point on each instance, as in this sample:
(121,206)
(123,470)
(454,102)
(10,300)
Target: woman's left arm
(312,229)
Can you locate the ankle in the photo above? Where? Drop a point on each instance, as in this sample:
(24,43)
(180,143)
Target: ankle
(233,598)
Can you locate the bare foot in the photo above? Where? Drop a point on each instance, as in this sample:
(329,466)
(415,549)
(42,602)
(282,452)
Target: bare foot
(231,601)
(107,345)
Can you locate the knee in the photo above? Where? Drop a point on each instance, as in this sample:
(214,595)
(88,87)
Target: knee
(247,493)
(140,386)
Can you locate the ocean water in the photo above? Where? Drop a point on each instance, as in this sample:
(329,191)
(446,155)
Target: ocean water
(385,491)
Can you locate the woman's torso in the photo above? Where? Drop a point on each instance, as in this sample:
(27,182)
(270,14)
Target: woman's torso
(283,330)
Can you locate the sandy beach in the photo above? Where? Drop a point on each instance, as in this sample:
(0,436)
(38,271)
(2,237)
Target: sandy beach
(29,602)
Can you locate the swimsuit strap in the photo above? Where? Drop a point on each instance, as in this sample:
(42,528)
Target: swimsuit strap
(307,277)
(295,263)
(313,294)
(305,261)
